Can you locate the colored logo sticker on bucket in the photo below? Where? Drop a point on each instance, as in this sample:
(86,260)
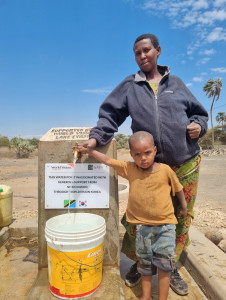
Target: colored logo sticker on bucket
(69,203)
(75,274)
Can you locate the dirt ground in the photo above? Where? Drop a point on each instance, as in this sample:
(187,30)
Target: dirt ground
(210,207)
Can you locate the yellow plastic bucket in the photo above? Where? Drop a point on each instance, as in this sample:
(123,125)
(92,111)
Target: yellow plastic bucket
(75,254)
(6,210)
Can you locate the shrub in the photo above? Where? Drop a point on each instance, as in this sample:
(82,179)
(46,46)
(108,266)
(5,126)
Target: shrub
(122,141)
(205,142)
(34,142)
(4,141)
(22,147)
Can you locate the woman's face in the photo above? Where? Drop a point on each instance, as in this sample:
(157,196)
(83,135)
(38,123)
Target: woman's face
(146,55)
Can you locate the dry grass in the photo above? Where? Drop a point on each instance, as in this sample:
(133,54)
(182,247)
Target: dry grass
(6,152)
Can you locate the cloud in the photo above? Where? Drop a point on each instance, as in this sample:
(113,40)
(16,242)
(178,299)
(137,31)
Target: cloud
(203,61)
(201,4)
(97,91)
(210,17)
(219,3)
(189,84)
(207,52)
(193,47)
(218,34)
(197,79)
(219,70)
(204,17)
(188,12)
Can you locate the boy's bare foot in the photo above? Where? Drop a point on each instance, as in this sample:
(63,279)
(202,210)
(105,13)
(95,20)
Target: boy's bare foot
(142,298)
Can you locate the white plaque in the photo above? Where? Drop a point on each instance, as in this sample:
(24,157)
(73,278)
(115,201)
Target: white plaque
(76,185)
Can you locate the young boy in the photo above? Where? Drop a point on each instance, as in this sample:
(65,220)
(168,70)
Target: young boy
(150,208)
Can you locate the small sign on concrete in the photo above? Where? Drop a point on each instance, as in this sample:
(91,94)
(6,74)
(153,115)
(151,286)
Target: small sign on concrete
(67,133)
(76,185)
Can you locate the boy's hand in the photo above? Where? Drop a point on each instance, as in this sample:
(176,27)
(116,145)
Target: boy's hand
(76,148)
(82,149)
(183,213)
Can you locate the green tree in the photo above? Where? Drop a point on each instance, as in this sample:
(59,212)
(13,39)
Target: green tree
(213,89)
(4,141)
(205,141)
(34,142)
(221,118)
(220,134)
(122,141)
(22,147)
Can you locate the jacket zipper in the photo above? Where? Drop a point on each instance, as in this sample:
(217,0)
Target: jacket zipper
(158,126)
(158,121)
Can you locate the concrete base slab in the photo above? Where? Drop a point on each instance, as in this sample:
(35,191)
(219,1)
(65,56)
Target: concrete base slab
(18,272)
(110,288)
(135,292)
(24,227)
(20,278)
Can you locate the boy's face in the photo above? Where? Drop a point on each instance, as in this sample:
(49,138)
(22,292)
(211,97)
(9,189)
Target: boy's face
(143,152)
(146,55)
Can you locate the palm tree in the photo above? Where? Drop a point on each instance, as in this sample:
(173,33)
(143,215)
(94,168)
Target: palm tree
(213,89)
(221,118)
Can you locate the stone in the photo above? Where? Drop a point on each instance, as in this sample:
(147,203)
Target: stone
(4,235)
(222,245)
(214,236)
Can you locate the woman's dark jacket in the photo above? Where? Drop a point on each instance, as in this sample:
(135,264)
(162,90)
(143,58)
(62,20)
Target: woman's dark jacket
(165,115)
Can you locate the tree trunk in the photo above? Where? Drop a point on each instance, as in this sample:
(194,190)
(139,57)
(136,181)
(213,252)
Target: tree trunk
(211,109)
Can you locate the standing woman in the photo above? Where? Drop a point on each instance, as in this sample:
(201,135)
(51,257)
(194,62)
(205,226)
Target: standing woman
(161,104)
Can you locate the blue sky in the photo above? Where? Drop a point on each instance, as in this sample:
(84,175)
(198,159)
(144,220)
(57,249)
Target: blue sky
(59,59)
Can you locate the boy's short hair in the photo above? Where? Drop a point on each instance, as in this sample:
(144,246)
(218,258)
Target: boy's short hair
(152,37)
(139,136)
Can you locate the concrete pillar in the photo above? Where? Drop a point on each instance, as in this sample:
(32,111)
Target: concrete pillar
(56,147)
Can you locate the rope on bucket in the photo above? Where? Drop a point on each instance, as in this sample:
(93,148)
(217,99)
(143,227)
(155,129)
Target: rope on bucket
(80,263)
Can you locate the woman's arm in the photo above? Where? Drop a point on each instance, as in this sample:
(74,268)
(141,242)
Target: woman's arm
(112,113)
(197,114)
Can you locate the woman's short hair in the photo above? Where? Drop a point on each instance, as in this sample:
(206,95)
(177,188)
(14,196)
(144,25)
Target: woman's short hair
(152,37)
